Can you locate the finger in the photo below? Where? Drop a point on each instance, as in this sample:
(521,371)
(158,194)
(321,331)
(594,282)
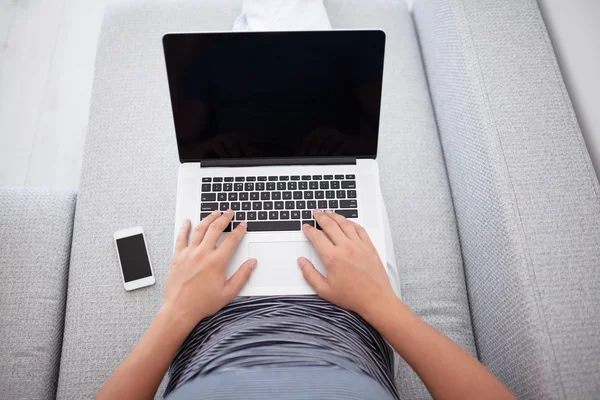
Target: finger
(231,242)
(303,147)
(331,144)
(314,278)
(362,234)
(237,281)
(329,226)
(183,235)
(346,226)
(318,239)
(253,152)
(201,228)
(318,139)
(215,229)
(247,151)
(221,150)
(339,151)
(235,147)
(220,146)
(313,150)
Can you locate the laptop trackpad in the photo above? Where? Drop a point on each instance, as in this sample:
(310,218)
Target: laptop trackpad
(278,266)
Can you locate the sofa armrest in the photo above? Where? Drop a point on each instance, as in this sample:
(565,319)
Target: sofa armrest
(525,194)
(35,246)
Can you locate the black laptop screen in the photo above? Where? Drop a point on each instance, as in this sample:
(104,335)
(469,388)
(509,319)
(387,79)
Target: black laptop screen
(275,94)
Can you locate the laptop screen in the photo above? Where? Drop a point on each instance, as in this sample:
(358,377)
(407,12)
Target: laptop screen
(275,94)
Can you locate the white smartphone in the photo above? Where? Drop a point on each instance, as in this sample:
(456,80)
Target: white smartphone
(134,259)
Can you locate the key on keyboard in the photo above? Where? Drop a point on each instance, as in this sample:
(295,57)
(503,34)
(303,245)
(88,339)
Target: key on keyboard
(278,203)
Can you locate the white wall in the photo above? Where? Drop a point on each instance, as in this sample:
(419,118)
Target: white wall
(47,55)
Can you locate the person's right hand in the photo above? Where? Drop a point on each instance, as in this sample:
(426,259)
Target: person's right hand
(356,278)
(197,286)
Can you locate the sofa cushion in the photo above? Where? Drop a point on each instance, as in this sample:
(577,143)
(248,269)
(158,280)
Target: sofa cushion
(414,181)
(130,170)
(35,246)
(525,193)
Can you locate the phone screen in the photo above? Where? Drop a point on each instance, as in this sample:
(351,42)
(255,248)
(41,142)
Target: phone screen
(134,258)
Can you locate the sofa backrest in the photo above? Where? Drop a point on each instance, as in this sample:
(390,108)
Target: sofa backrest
(525,194)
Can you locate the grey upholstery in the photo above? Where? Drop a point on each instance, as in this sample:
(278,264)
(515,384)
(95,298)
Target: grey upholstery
(525,194)
(483,170)
(35,246)
(413,181)
(129,178)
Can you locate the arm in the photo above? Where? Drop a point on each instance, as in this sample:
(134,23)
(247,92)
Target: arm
(447,370)
(141,372)
(356,280)
(196,288)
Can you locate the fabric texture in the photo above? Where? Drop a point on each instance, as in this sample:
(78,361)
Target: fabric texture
(525,194)
(35,246)
(130,168)
(298,383)
(282,15)
(414,182)
(283,331)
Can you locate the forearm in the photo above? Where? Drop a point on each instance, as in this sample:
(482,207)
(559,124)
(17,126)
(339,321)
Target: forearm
(447,371)
(140,374)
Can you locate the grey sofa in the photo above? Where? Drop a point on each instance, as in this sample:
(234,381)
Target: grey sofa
(493,201)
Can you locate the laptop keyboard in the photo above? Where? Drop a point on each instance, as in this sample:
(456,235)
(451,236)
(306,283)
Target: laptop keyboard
(278,203)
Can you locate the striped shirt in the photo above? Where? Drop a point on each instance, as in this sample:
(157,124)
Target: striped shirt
(283,332)
(298,383)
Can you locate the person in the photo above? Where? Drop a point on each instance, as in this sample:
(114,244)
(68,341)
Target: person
(325,346)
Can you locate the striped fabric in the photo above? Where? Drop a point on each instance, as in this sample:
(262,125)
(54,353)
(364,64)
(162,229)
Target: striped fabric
(283,331)
(283,383)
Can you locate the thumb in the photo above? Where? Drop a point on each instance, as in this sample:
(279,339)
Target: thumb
(237,281)
(314,278)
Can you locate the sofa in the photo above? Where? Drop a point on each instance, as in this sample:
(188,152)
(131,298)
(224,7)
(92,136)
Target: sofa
(492,199)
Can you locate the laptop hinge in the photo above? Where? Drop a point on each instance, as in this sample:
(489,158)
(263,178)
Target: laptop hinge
(255,162)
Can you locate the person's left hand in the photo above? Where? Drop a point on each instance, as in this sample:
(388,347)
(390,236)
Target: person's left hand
(197,287)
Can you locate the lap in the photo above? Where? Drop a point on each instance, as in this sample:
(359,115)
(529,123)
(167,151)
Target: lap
(283,331)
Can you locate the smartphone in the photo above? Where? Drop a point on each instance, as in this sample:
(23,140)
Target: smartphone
(134,259)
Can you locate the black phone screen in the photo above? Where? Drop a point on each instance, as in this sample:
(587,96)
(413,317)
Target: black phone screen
(134,258)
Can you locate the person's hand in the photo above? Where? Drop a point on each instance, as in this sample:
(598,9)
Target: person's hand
(323,142)
(356,279)
(227,146)
(196,287)
(329,142)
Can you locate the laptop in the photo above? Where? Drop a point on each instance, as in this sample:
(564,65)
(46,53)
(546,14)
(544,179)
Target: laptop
(273,125)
